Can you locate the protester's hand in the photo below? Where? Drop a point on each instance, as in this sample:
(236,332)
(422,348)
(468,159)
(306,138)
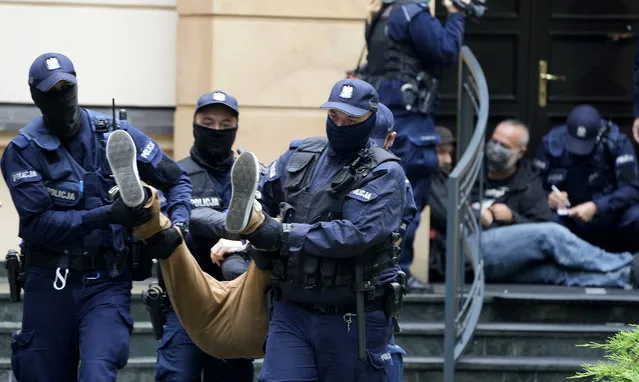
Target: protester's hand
(557,202)
(223,248)
(501,212)
(486,217)
(635,130)
(584,212)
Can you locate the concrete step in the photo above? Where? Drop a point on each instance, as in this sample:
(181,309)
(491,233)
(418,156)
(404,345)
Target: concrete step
(511,339)
(503,303)
(534,304)
(426,340)
(416,369)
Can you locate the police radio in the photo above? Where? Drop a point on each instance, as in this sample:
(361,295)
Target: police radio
(14,263)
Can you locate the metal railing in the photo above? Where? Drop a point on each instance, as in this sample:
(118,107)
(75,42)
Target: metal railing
(463,305)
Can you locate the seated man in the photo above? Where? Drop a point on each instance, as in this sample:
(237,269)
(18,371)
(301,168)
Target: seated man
(516,246)
(589,166)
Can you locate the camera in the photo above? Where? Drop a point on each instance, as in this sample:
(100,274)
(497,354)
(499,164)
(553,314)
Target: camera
(474,9)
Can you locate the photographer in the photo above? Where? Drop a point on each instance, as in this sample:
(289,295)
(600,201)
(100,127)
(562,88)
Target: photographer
(407,50)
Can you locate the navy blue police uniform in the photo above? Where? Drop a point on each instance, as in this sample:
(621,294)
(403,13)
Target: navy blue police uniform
(384,126)
(635,85)
(208,167)
(591,160)
(407,50)
(347,199)
(76,306)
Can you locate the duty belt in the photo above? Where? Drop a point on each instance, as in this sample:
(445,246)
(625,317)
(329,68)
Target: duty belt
(78,263)
(369,306)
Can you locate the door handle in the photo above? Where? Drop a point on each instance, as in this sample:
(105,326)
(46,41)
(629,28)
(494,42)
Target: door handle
(544,77)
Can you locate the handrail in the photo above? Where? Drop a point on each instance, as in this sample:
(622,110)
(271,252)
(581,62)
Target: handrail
(462,309)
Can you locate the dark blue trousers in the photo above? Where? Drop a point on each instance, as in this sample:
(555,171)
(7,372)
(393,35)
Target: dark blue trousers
(180,360)
(307,346)
(86,323)
(419,161)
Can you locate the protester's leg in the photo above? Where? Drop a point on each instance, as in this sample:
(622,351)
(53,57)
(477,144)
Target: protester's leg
(569,251)
(509,250)
(214,313)
(550,273)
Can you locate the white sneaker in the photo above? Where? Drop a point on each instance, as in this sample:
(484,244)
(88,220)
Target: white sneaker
(122,156)
(245,176)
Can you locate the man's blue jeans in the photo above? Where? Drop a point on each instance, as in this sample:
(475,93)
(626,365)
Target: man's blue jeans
(549,253)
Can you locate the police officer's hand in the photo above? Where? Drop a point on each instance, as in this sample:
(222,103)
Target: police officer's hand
(584,212)
(223,248)
(486,217)
(501,212)
(557,202)
(635,130)
(120,213)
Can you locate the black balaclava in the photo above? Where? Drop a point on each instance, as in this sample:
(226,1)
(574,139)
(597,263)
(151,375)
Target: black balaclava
(60,110)
(213,148)
(348,140)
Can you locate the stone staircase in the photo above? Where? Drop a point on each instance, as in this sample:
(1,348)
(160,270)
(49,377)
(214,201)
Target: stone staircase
(526,333)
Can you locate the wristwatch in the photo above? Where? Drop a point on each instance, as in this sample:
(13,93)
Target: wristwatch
(183,227)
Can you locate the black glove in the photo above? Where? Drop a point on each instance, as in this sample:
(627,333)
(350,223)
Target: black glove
(164,243)
(120,213)
(263,259)
(268,237)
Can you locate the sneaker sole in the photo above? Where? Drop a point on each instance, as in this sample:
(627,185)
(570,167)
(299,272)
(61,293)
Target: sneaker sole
(245,176)
(121,155)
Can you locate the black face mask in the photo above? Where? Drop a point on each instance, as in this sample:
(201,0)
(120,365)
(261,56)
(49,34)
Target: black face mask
(348,140)
(60,110)
(213,147)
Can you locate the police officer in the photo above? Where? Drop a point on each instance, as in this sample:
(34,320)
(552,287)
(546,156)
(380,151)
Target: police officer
(593,168)
(383,135)
(215,125)
(635,93)
(407,50)
(345,199)
(76,241)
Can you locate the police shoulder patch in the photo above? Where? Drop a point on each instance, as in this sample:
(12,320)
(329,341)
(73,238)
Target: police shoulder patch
(362,195)
(149,150)
(272,171)
(21,176)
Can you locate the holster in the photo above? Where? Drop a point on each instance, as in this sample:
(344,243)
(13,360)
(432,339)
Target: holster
(156,302)
(14,263)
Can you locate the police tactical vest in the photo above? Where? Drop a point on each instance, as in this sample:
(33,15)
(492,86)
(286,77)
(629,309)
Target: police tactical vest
(386,58)
(204,194)
(310,279)
(71,187)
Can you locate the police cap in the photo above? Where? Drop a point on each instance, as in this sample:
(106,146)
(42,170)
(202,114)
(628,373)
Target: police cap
(354,97)
(50,68)
(217,97)
(583,125)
